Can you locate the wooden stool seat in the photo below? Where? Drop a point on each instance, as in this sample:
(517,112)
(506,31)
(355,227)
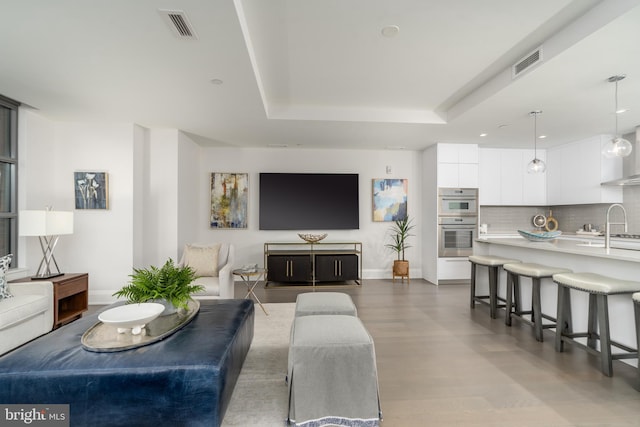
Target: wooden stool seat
(493,264)
(514,307)
(599,288)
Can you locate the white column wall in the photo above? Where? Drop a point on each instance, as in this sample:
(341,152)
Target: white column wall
(429,215)
(161,198)
(189,196)
(140,191)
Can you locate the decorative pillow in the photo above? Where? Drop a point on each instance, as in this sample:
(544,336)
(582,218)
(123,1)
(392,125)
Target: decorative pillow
(5,261)
(203,259)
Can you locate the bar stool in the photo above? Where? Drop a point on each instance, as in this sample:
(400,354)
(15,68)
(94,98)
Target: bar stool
(636,311)
(536,272)
(493,264)
(599,288)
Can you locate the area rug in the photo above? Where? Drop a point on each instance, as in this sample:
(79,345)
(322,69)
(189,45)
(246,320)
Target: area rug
(260,395)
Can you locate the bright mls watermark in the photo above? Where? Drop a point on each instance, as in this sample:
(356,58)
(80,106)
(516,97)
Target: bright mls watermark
(34,415)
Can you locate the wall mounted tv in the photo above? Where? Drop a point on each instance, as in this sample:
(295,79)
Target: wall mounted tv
(309,201)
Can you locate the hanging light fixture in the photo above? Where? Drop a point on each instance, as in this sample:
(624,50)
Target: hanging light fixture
(618,146)
(536,165)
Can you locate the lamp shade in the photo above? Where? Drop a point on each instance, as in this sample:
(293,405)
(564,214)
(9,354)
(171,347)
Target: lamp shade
(45,223)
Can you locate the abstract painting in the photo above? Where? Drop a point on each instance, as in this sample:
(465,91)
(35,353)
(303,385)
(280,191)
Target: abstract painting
(229,199)
(91,190)
(389,199)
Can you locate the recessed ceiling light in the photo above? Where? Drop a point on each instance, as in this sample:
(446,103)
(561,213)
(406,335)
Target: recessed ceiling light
(390,30)
(483,134)
(542,136)
(216,82)
(622,110)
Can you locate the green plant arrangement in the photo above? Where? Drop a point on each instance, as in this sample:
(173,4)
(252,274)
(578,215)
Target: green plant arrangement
(170,283)
(400,231)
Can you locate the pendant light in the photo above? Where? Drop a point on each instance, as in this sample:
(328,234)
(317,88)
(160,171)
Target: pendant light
(536,165)
(618,146)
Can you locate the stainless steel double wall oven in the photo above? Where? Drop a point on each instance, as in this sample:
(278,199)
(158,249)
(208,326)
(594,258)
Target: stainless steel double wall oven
(457,221)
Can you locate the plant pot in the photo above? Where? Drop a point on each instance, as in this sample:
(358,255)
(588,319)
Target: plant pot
(169,308)
(401,268)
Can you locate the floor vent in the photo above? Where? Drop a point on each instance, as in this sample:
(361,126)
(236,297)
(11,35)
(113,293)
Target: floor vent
(179,24)
(527,62)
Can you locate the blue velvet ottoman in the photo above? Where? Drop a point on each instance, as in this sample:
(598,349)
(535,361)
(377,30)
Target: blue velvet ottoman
(184,380)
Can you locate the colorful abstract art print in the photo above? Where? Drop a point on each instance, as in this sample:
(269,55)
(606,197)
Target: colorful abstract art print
(229,200)
(91,190)
(389,199)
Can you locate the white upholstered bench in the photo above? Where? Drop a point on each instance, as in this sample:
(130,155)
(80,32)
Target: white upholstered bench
(314,303)
(332,373)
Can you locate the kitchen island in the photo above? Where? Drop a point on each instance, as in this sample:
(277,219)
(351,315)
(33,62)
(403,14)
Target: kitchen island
(579,255)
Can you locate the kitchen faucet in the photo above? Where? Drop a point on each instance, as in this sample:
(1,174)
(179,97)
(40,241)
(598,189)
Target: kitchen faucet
(607,227)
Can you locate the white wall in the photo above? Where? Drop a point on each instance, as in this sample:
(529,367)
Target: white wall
(159,197)
(102,242)
(369,164)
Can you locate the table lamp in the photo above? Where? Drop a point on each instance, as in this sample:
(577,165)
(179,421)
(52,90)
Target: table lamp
(47,225)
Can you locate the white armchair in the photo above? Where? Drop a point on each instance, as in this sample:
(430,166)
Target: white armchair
(216,277)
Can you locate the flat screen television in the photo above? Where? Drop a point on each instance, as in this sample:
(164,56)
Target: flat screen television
(309,201)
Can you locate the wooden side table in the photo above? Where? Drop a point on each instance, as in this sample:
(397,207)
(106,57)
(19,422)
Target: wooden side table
(70,296)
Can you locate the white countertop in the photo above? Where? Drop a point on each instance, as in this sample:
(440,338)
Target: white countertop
(574,244)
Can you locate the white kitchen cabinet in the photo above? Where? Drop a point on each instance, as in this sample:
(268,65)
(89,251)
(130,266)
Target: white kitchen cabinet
(448,175)
(534,184)
(454,268)
(468,175)
(458,165)
(576,170)
(467,153)
(504,179)
(451,175)
(448,153)
(512,177)
(489,179)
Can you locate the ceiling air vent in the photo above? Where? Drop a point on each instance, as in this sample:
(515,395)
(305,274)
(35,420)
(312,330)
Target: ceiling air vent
(527,62)
(179,24)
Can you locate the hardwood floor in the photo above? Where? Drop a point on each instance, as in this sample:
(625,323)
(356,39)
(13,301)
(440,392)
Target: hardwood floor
(442,364)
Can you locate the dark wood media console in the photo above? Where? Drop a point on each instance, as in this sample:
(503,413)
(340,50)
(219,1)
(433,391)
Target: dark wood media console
(313,262)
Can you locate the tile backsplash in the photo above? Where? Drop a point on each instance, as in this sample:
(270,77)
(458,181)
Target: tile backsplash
(501,219)
(570,217)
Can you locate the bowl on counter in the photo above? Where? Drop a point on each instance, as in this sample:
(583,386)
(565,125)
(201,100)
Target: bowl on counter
(539,236)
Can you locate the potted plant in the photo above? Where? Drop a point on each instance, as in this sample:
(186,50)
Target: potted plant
(400,232)
(169,285)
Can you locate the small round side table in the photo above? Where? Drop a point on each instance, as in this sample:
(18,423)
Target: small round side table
(251,278)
